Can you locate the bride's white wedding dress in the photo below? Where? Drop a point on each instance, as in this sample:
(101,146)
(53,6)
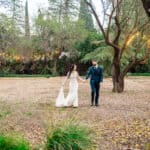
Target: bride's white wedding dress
(72,97)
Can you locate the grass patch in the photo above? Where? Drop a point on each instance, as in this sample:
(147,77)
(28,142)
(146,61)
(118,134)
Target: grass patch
(25,75)
(28,114)
(4,114)
(138,74)
(69,137)
(13,143)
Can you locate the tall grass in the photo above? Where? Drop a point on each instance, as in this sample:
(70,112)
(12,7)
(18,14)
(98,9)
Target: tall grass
(13,143)
(69,137)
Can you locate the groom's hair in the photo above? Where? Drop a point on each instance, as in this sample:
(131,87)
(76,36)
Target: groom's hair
(94,60)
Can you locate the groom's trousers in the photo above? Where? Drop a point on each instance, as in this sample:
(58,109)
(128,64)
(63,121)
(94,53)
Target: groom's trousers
(95,87)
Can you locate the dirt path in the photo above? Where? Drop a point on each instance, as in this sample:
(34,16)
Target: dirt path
(27,107)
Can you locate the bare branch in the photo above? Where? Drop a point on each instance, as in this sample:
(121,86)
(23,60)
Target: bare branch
(101,27)
(97,18)
(109,22)
(118,30)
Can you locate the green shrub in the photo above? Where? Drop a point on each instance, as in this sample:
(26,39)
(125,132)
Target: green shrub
(69,137)
(13,143)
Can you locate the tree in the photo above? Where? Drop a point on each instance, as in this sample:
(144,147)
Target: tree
(87,46)
(8,35)
(13,23)
(55,36)
(5,3)
(126,22)
(62,9)
(16,10)
(100,52)
(86,16)
(27,26)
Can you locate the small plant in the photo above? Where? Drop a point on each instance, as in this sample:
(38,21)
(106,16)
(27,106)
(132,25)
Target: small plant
(4,114)
(28,114)
(69,137)
(13,143)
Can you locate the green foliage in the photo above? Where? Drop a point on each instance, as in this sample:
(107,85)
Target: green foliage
(53,35)
(101,54)
(13,143)
(30,66)
(86,16)
(4,113)
(62,63)
(60,9)
(104,57)
(86,46)
(63,27)
(143,68)
(69,136)
(94,48)
(7,32)
(28,114)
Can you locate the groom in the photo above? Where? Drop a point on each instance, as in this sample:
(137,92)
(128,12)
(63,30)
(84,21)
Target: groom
(96,77)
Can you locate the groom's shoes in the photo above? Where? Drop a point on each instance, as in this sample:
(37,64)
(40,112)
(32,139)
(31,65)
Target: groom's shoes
(97,105)
(92,105)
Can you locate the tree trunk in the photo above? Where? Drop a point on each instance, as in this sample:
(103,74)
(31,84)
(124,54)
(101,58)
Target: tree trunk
(118,82)
(117,77)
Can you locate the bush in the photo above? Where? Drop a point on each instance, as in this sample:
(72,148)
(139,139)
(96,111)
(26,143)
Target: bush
(69,137)
(13,143)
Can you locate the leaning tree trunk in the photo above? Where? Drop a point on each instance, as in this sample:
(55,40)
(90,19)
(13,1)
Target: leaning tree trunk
(117,77)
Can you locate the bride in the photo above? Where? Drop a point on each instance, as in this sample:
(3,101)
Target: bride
(72,97)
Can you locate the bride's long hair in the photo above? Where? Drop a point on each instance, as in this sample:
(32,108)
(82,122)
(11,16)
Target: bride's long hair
(71,69)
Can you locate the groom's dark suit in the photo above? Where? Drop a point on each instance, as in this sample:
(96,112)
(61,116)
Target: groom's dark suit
(96,75)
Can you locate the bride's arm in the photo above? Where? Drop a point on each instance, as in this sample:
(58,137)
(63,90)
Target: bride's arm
(81,79)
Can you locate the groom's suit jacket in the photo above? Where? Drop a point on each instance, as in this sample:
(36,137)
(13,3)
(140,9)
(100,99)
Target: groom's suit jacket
(95,74)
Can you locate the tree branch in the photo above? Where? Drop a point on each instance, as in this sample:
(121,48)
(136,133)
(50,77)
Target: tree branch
(116,47)
(96,17)
(109,22)
(135,61)
(132,32)
(118,30)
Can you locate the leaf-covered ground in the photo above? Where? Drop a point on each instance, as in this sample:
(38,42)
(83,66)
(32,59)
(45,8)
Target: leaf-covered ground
(122,122)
